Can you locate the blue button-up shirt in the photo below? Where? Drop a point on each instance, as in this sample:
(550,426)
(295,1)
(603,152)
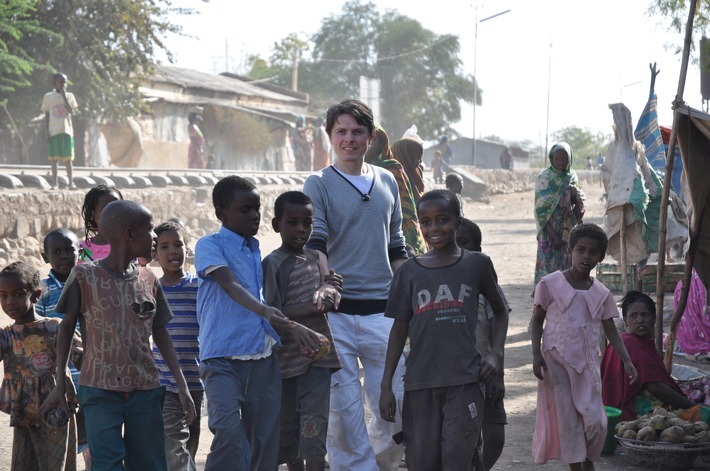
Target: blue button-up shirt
(228,329)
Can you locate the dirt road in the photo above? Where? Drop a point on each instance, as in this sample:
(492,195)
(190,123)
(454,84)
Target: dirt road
(509,238)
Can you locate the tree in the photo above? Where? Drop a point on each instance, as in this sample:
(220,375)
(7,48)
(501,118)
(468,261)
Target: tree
(105,48)
(420,72)
(583,142)
(16,64)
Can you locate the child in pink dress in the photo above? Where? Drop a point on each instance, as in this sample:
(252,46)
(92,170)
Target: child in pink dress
(95,246)
(571,423)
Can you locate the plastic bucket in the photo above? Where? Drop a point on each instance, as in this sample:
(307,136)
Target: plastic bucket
(613,416)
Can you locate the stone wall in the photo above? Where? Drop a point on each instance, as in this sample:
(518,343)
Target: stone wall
(26,215)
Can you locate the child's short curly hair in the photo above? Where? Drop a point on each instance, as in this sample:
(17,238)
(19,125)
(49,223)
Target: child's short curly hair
(445,195)
(293,197)
(593,232)
(223,191)
(27,274)
(170,225)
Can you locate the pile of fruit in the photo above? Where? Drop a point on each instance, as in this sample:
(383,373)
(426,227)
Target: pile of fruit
(663,426)
(697,391)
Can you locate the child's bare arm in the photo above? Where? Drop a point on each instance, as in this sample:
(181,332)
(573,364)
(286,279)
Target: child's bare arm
(492,364)
(162,340)
(65,334)
(615,340)
(538,318)
(226,280)
(398,336)
(296,311)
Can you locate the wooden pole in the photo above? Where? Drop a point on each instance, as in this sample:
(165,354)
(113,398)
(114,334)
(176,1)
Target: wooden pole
(622,249)
(667,179)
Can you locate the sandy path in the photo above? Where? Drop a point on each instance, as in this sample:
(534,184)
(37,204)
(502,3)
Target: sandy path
(509,238)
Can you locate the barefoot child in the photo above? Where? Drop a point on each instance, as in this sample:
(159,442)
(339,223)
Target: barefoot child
(119,306)
(241,374)
(180,287)
(95,246)
(468,236)
(29,356)
(434,300)
(570,425)
(295,283)
(58,106)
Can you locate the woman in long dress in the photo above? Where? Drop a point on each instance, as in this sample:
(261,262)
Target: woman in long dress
(559,206)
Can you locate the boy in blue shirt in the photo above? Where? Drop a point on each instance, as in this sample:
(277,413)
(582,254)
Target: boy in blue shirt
(241,375)
(180,287)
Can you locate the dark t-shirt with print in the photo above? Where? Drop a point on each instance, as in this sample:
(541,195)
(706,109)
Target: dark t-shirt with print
(441,306)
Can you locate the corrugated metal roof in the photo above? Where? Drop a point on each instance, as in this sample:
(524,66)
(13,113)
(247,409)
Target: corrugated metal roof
(189,78)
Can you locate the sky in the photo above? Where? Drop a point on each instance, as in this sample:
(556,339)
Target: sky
(584,55)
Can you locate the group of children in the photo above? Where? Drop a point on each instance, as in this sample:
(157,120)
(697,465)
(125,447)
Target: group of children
(252,334)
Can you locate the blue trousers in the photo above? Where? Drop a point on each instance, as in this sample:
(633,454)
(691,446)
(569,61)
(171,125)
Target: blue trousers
(243,404)
(141,446)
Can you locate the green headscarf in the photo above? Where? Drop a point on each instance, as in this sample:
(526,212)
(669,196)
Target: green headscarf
(551,185)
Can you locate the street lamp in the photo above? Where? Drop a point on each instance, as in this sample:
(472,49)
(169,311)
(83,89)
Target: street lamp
(475,78)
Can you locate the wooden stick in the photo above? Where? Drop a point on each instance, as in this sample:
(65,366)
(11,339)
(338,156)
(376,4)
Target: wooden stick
(622,250)
(682,302)
(667,179)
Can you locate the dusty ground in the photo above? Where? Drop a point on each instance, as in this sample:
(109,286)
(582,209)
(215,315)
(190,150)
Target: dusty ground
(509,238)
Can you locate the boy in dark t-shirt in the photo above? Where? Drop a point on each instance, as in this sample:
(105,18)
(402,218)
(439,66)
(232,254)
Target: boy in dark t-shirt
(434,300)
(295,282)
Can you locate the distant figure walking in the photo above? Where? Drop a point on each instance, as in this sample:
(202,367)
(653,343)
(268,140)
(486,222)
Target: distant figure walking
(196,150)
(58,106)
(303,146)
(321,146)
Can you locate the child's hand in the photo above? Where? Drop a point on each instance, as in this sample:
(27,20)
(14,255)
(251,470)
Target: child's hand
(276,318)
(305,338)
(388,405)
(335,280)
(188,406)
(631,372)
(539,366)
(490,366)
(57,398)
(497,389)
(326,297)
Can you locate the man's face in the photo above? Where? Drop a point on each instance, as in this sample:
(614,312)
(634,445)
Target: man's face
(350,140)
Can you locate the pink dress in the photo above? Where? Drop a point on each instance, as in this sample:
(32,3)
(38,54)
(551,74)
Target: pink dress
(91,252)
(694,327)
(570,424)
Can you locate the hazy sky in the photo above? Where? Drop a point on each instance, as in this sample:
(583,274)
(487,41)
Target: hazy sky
(599,55)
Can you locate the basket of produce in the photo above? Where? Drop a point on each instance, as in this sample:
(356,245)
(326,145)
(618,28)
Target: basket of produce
(661,440)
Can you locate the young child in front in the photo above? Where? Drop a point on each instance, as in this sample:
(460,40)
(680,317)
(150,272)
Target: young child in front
(295,283)
(468,236)
(180,287)
(95,246)
(29,355)
(434,300)
(240,372)
(119,307)
(570,424)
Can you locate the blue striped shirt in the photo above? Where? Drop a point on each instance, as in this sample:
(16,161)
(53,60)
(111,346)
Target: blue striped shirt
(183,330)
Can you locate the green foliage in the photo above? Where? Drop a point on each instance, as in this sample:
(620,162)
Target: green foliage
(583,142)
(104,47)
(16,64)
(420,72)
(673,15)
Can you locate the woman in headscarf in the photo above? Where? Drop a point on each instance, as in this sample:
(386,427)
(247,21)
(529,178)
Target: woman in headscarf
(196,149)
(559,206)
(380,154)
(409,153)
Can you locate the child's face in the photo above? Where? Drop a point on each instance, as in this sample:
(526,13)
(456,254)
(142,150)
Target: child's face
(295,225)
(438,223)
(464,239)
(143,238)
(170,251)
(243,213)
(586,254)
(62,253)
(456,186)
(640,320)
(101,203)
(17,300)
(59,82)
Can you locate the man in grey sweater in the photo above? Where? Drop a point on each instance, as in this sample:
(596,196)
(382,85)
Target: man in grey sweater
(358,225)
